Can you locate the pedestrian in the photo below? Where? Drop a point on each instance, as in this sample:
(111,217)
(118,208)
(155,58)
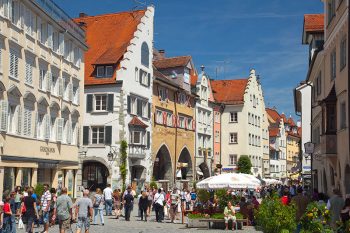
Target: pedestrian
(230,214)
(150,201)
(29,211)
(45,207)
(158,205)
(7,219)
(143,205)
(285,198)
(25,191)
(301,201)
(107,194)
(83,212)
(335,204)
(14,212)
(98,206)
(18,198)
(193,198)
(1,216)
(52,206)
(117,202)
(345,213)
(175,202)
(128,200)
(63,211)
(188,200)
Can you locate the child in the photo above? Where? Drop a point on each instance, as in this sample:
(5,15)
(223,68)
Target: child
(1,215)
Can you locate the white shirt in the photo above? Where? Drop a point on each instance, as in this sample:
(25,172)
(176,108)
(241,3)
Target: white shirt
(159,198)
(107,193)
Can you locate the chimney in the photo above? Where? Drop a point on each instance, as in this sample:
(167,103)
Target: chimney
(161,53)
(82,15)
(202,68)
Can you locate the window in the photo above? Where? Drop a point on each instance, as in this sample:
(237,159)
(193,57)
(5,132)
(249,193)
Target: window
(233,160)
(217,136)
(42,78)
(250,139)
(137,137)
(342,115)
(189,123)
(203,92)
(98,134)
(217,117)
(330,10)
(159,118)
(109,71)
(343,53)
(54,85)
(12,119)
(27,122)
(144,77)
(104,71)
(100,102)
(169,119)
(163,94)
(182,98)
(182,122)
(133,105)
(318,84)
(53,127)
(100,71)
(13,64)
(76,94)
(333,64)
(233,117)
(144,54)
(249,121)
(29,22)
(233,138)
(144,109)
(29,71)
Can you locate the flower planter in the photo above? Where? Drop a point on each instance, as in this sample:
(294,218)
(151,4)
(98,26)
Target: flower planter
(195,223)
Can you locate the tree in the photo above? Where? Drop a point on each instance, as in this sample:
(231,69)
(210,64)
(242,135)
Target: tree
(244,164)
(123,157)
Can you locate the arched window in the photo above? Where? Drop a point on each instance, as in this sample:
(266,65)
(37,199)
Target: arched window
(145,54)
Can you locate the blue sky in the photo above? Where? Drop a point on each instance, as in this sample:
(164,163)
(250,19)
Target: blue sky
(229,37)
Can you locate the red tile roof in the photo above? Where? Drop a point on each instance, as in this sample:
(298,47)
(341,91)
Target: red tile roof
(137,122)
(107,37)
(284,118)
(171,62)
(229,91)
(194,78)
(273,132)
(290,121)
(313,22)
(273,114)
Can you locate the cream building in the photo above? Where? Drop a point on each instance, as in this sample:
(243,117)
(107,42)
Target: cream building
(241,121)
(41,83)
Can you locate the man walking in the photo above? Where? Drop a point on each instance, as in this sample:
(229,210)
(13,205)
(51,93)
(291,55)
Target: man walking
(108,195)
(335,205)
(45,207)
(83,212)
(301,203)
(158,205)
(128,203)
(63,210)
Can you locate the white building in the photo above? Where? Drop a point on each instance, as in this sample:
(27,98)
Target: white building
(241,122)
(118,91)
(41,78)
(204,125)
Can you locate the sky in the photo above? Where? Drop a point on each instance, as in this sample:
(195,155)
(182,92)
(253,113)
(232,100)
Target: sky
(228,37)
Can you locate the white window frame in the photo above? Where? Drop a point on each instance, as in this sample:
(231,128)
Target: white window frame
(141,137)
(99,98)
(100,69)
(98,139)
(144,109)
(233,159)
(133,105)
(233,138)
(159,117)
(233,117)
(109,71)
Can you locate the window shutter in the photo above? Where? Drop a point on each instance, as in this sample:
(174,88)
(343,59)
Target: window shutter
(149,110)
(38,26)
(70,91)
(129,104)
(69,132)
(110,102)
(140,76)
(61,44)
(59,129)
(86,135)
(89,99)
(19,119)
(29,123)
(25,121)
(108,135)
(36,118)
(47,127)
(149,79)
(22,14)
(49,40)
(148,139)
(4,115)
(48,81)
(139,107)
(60,87)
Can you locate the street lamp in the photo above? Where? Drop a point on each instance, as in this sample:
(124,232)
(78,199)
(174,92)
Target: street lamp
(112,154)
(309,151)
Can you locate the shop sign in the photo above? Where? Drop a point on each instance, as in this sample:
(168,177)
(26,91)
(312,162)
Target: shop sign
(47,150)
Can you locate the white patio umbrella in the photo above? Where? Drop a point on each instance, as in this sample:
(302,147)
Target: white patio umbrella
(252,178)
(228,181)
(272,181)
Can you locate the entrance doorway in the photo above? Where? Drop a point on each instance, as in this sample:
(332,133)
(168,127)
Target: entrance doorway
(185,157)
(162,169)
(94,175)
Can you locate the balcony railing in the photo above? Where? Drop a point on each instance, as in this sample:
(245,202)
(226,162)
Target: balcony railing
(329,144)
(61,18)
(137,151)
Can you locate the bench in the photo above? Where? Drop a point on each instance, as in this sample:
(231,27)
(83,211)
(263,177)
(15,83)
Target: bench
(213,220)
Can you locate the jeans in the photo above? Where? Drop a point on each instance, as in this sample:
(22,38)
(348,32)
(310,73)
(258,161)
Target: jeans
(143,212)
(159,212)
(108,204)
(29,224)
(96,212)
(127,212)
(13,224)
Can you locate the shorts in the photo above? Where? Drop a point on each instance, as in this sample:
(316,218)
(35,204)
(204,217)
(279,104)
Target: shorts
(83,222)
(46,216)
(228,218)
(64,224)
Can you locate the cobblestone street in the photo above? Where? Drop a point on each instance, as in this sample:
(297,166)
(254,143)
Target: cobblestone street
(137,226)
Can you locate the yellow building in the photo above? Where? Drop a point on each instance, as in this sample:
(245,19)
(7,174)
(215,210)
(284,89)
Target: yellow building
(41,83)
(173,137)
(293,148)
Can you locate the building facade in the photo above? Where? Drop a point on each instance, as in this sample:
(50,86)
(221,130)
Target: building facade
(293,148)
(241,121)
(41,81)
(204,124)
(118,90)
(174,125)
(216,165)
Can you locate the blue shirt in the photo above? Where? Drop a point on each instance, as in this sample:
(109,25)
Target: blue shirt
(34,196)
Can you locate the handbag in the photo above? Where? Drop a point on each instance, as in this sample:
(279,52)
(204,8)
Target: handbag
(20,224)
(23,208)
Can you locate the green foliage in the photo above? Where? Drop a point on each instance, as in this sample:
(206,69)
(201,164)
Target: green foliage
(195,216)
(244,164)
(203,195)
(224,198)
(39,189)
(273,216)
(123,157)
(153,184)
(316,218)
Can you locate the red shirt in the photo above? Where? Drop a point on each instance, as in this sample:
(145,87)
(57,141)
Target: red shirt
(7,208)
(285,200)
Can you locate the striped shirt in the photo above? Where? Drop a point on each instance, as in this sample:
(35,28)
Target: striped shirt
(45,198)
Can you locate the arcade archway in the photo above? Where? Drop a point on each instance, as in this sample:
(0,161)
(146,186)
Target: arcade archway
(185,157)
(162,168)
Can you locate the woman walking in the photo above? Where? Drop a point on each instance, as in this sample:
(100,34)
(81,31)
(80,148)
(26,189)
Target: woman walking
(52,206)
(143,205)
(29,211)
(98,206)
(117,202)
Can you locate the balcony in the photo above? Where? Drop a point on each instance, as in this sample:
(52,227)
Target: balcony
(328,144)
(136,151)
